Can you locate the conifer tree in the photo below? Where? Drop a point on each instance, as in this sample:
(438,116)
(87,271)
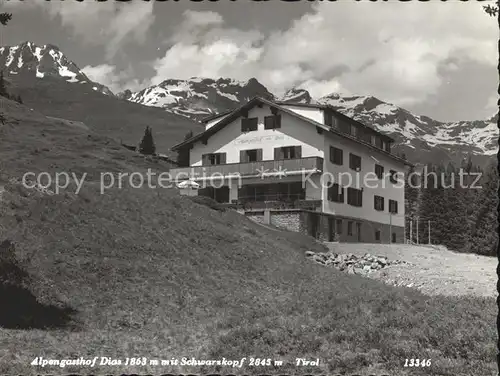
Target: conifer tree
(432,205)
(457,225)
(411,196)
(484,237)
(5,18)
(3,88)
(147,145)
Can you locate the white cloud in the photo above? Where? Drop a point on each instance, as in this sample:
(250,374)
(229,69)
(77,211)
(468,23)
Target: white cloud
(203,47)
(391,50)
(492,104)
(115,80)
(110,24)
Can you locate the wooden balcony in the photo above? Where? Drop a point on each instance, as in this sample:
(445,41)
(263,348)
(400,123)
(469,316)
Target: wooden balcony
(246,205)
(248,169)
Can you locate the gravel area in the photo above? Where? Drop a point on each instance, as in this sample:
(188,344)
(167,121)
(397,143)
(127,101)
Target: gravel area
(432,270)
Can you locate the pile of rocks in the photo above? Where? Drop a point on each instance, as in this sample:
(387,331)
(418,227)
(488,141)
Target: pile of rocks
(353,264)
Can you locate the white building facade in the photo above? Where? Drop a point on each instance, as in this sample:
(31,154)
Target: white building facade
(305,168)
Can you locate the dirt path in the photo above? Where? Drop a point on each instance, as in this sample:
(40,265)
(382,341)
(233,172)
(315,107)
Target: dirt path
(433,271)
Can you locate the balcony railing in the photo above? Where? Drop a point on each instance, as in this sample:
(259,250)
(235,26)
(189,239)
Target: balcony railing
(277,201)
(248,169)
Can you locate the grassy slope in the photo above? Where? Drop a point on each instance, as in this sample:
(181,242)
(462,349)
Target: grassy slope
(109,116)
(154,274)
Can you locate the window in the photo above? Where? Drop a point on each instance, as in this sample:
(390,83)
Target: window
(354,131)
(377,235)
(384,145)
(213,159)
(393,206)
(336,156)
(355,197)
(388,147)
(288,152)
(374,140)
(393,237)
(379,203)
(334,122)
(338,226)
(272,122)
(392,177)
(354,162)
(249,124)
(379,171)
(336,193)
(254,155)
(349,228)
(330,120)
(344,127)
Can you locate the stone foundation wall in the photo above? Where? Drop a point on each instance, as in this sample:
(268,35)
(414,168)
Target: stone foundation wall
(289,221)
(316,224)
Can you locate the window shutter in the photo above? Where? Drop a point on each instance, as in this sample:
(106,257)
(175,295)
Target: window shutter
(204,159)
(277,154)
(298,151)
(222,158)
(243,156)
(259,155)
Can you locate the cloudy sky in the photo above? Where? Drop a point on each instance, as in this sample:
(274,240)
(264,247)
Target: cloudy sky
(436,59)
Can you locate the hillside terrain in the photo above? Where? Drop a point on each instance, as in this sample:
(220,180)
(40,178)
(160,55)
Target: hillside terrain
(50,83)
(149,273)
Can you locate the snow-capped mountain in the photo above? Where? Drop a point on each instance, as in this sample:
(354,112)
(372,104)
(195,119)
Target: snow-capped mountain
(419,133)
(197,98)
(297,96)
(29,59)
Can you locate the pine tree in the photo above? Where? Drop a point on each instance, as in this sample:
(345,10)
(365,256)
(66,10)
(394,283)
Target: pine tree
(5,17)
(183,153)
(411,196)
(484,237)
(3,89)
(147,145)
(433,206)
(457,227)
